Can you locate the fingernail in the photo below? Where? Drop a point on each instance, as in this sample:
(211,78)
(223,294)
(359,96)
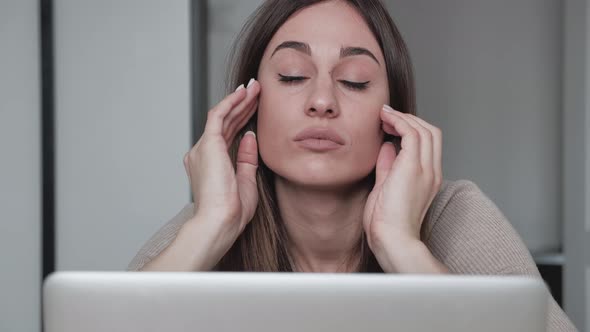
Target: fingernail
(250,133)
(250,82)
(240,87)
(388,108)
(388,142)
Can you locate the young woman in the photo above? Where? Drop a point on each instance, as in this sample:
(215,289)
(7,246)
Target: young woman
(318,163)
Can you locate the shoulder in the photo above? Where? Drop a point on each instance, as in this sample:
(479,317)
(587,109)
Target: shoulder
(455,199)
(161,239)
(469,234)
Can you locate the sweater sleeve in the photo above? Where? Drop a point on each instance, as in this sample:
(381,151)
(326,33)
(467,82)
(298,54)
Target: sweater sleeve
(161,239)
(467,232)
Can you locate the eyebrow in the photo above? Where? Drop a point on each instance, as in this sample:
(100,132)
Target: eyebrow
(298,46)
(352,51)
(344,52)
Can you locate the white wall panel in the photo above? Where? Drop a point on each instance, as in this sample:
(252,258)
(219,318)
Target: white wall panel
(20,169)
(122,126)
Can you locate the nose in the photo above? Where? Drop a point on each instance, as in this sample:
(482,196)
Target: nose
(322,101)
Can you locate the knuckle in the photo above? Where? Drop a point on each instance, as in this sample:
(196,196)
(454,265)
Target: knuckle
(224,104)
(413,134)
(426,133)
(437,132)
(429,177)
(437,182)
(193,156)
(416,173)
(211,114)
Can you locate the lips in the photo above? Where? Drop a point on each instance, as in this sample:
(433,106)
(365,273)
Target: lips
(319,139)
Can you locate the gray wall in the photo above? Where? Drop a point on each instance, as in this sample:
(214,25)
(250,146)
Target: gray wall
(20,167)
(122,126)
(576,161)
(489,75)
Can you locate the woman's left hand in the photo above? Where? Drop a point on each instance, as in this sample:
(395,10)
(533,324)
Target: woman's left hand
(405,186)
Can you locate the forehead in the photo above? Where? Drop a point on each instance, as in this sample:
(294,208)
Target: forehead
(327,27)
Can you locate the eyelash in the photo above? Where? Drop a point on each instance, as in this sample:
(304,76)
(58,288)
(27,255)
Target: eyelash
(297,79)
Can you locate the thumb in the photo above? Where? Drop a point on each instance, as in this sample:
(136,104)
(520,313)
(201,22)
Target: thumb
(246,165)
(247,161)
(384,162)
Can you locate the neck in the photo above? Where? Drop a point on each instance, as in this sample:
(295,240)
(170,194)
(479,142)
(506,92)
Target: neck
(324,227)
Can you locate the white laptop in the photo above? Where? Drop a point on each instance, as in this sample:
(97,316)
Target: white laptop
(264,302)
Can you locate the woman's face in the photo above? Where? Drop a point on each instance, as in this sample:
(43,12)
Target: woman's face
(324,82)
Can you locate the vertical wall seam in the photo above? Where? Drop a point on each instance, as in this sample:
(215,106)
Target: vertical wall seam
(198,63)
(47,143)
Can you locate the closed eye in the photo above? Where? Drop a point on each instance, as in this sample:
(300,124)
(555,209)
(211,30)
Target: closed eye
(355,85)
(291,79)
(297,79)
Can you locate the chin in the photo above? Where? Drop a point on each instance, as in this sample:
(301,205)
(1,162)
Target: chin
(322,178)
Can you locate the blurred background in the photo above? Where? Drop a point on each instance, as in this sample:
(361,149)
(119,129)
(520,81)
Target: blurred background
(99,101)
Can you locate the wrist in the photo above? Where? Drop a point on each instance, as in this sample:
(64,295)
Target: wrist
(394,240)
(406,254)
(396,253)
(206,242)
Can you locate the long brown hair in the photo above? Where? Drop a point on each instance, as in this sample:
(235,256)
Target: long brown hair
(263,244)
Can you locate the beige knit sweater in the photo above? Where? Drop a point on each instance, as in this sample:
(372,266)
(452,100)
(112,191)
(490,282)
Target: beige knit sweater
(463,229)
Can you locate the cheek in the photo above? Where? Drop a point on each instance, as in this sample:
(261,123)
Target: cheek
(278,111)
(367,137)
(271,110)
(272,126)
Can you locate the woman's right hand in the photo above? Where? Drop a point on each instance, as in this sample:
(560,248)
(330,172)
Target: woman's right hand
(225,199)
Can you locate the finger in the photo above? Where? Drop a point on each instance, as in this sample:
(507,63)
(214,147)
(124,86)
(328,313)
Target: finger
(437,147)
(389,129)
(410,138)
(237,113)
(237,126)
(384,163)
(426,143)
(216,115)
